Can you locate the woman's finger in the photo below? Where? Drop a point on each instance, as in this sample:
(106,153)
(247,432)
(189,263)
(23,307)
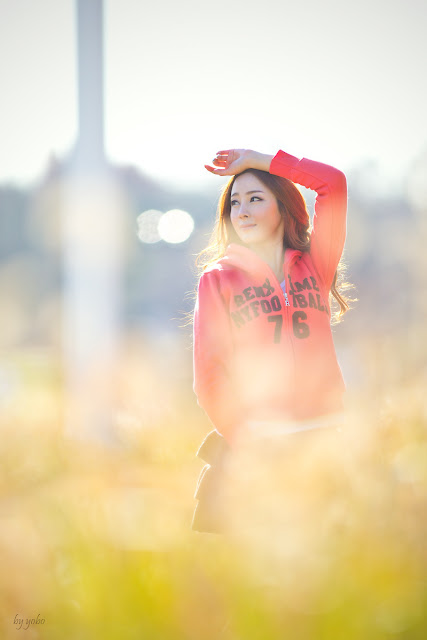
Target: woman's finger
(218,172)
(211,169)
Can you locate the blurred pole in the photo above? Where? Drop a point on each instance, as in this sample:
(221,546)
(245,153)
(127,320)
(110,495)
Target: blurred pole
(90,61)
(92,250)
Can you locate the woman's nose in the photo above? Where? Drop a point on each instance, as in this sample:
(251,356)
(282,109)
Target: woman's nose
(242,211)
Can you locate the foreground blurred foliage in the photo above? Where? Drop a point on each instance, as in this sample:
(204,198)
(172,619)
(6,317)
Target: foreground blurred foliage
(328,541)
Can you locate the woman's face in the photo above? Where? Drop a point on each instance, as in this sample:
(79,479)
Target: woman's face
(255,213)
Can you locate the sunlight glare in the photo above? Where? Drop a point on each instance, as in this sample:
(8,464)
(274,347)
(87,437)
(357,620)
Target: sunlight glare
(148,226)
(176,226)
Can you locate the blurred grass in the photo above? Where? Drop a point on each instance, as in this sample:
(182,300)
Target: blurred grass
(97,539)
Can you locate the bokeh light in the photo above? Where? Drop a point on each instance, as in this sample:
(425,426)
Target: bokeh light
(148,226)
(176,226)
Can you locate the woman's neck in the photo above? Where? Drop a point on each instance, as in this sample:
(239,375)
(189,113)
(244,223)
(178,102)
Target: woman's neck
(273,255)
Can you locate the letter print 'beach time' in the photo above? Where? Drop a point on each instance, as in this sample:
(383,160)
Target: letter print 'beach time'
(257,301)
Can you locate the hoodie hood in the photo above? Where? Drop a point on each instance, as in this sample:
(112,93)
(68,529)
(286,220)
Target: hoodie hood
(241,257)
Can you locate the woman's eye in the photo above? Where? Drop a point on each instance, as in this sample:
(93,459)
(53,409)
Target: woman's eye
(234,202)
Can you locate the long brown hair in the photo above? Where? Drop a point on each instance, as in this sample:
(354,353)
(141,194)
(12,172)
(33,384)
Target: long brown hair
(297,232)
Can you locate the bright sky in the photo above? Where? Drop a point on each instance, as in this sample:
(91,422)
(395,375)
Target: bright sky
(334,81)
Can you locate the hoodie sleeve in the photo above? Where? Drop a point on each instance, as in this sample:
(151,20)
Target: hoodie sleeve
(212,355)
(329,220)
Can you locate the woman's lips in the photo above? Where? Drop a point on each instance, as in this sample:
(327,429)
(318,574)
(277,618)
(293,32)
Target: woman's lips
(247,226)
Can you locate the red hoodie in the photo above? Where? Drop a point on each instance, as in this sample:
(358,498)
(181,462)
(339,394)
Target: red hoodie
(260,354)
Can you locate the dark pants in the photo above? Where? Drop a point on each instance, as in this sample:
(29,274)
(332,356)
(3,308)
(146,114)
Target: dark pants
(208,515)
(273,455)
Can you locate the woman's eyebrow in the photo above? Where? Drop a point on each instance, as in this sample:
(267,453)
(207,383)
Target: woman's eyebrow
(248,192)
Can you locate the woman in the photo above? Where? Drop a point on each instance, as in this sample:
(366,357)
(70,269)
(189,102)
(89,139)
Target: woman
(264,358)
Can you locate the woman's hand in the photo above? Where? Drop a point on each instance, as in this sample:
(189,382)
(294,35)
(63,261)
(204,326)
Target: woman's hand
(230,162)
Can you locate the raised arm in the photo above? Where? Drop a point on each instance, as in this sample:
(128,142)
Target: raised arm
(329,220)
